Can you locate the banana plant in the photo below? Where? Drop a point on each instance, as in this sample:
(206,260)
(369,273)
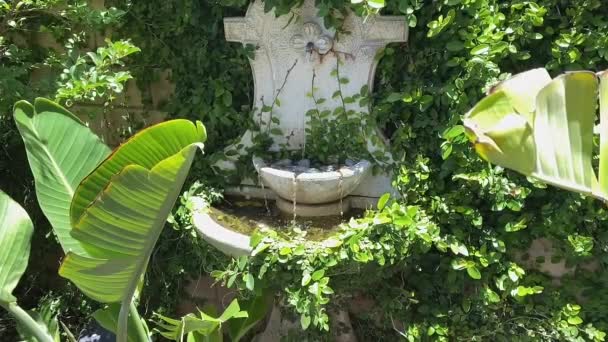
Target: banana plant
(16,230)
(61,151)
(544,128)
(80,185)
(119,210)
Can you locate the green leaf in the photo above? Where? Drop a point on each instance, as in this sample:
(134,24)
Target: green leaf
(256,309)
(119,210)
(318,274)
(515,127)
(46,320)
(603,168)
(305,321)
(453,132)
(16,230)
(383,200)
(454,45)
(574,320)
(206,327)
(249,282)
(233,310)
(61,151)
(306,278)
(481,49)
(473,272)
(394,97)
(491,296)
(376,3)
(227,99)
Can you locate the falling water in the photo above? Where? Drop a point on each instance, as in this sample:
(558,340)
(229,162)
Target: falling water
(264,193)
(340,190)
(295,190)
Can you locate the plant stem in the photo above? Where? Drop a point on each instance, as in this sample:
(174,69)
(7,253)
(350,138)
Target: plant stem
(123,319)
(128,313)
(41,334)
(279,91)
(136,321)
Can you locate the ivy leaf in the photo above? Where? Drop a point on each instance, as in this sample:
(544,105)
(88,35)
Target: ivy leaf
(306,279)
(454,46)
(249,282)
(318,274)
(394,97)
(227,99)
(376,4)
(491,296)
(473,272)
(481,49)
(575,320)
(305,321)
(383,200)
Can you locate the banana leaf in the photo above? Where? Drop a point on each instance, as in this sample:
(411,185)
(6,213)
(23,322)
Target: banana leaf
(16,230)
(543,128)
(118,211)
(61,151)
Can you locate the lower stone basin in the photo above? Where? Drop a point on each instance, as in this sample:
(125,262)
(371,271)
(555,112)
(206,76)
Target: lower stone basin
(310,187)
(228,226)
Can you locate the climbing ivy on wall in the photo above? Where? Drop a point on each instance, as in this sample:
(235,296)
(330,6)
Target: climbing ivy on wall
(457,49)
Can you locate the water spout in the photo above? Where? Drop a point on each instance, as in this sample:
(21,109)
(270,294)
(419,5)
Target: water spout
(264,193)
(295,190)
(340,190)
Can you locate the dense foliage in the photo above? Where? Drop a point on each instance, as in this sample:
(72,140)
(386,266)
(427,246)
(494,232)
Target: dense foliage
(470,282)
(52,48)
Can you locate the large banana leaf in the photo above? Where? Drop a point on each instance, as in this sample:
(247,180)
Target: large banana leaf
(119,210)
(543,128)
(61,151)
(16,230)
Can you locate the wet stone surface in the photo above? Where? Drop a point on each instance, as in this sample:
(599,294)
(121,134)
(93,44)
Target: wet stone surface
(245,216)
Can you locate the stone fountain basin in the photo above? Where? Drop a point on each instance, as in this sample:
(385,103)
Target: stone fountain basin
(225,240)
(313,187)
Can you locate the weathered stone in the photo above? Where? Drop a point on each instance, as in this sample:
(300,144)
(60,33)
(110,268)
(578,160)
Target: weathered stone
(313,187)
(290,55)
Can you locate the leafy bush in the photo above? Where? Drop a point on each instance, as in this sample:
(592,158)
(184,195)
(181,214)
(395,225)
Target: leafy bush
(478,286)
(457,50)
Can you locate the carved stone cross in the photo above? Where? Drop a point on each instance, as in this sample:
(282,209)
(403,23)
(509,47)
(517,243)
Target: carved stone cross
(291,53)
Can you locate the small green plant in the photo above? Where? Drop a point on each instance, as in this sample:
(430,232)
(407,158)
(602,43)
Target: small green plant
(95,76)
(204,327)
(342,133)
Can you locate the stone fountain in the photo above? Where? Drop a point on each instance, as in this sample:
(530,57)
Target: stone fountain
(290,54)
